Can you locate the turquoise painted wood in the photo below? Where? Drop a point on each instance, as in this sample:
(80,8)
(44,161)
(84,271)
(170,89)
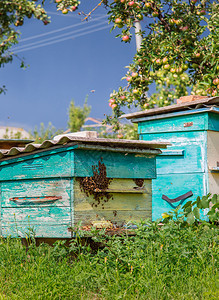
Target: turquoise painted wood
(38,204)
(192,147)
(37,190)
(213,122)
(119,165)
(175,124)
(45,166)
(186,164)
(174,186)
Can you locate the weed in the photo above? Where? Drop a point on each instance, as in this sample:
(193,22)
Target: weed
(175,260)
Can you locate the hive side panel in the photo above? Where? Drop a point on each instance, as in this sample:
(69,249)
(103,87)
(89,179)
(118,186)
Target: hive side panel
(185,123)
(124,205)
(40,205)
(186,154)
(47,166)
(173,187)
(118,165)
(213,121)
(0,208)
(213,161)
(213,149)
(36,230)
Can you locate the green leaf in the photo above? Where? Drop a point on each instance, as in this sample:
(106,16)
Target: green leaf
(190,218)
(187,204)
(215,199)
(196,212)
(199,202)
(188,209)
(211,213)
(213,216)
(204,202)
(215,206)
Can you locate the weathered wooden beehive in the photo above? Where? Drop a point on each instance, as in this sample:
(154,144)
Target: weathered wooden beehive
(51,187)
(189,167)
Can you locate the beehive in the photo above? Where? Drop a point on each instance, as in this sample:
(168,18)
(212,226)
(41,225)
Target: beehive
(48,189)
(189,167)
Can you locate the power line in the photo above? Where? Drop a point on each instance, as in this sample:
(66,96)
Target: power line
(57,36)
(72,15)
(61,40)
(58,30)
(61,15)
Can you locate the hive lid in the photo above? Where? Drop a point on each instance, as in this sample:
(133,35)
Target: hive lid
(186,106)
(132,146)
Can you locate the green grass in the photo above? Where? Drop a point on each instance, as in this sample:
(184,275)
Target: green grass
(169,262)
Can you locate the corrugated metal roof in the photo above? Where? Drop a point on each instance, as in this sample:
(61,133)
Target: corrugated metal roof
(86,143)
(173,108)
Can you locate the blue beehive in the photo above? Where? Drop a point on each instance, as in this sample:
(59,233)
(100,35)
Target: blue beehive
(50,188)
(190,166)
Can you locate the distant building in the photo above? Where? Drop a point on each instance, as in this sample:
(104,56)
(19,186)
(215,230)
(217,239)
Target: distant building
(7,132)
(96,124)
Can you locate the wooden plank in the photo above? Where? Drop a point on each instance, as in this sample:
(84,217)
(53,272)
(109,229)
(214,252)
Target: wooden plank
(121,185)
(27,192)
(175,124)
(39,230)
(213,183)
(213,149)
(119,201)
(182,137)
(213,121)
(119,209)
(133,191)
(169,152)
(35,215)
(194,147)
(56,165)
(118,165)
(173,186)
(213,160)
(118,217)
(124,183)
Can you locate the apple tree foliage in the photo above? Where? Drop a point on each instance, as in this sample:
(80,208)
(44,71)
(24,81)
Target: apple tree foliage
(13,14)
(179,50)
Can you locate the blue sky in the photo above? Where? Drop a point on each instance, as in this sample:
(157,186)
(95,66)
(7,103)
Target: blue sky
(66,60)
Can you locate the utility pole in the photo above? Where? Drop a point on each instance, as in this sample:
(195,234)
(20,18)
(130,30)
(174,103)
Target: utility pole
(138,37)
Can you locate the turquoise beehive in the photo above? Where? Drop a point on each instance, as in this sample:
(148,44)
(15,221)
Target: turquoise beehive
(190,166)
(47,189)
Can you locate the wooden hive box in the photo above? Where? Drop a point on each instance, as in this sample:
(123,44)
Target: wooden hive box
(49,188)
(190,165)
